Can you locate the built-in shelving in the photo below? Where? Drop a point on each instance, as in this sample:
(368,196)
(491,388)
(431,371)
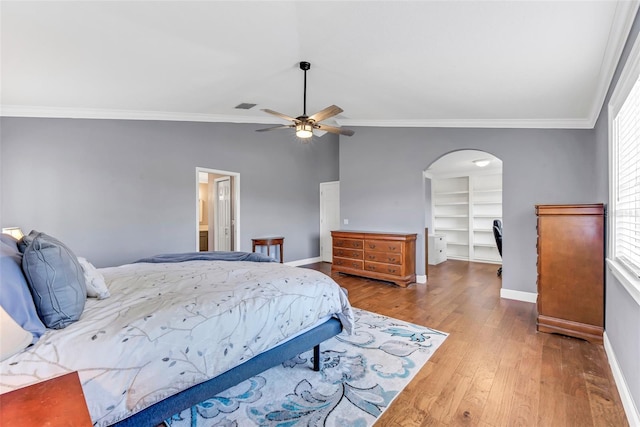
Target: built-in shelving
(464,209)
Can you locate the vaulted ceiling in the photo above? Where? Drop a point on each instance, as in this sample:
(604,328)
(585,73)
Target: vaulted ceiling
(386,63)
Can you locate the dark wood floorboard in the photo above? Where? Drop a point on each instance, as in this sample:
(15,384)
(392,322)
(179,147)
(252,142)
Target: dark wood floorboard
(494,369)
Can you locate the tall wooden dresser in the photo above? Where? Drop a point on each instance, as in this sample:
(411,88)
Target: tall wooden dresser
(571,270)
(383,256)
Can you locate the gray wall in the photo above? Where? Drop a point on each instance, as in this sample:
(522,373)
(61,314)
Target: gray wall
(382,189)
(118,190)
(622,312)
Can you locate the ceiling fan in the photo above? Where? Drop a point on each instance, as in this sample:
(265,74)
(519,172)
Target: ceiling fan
(304,125)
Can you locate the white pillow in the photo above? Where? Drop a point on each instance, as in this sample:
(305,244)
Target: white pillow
(96,287)
(13,338)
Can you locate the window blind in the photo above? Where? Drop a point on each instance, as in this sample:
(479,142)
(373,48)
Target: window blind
(627,197)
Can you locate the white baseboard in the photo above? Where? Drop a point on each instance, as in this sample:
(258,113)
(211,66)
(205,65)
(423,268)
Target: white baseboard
(421,278)
(518,295)
(300,262)
(633,416)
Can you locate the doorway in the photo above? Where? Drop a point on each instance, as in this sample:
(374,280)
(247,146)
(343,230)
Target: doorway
(218,210)
(329,217)
(464,203)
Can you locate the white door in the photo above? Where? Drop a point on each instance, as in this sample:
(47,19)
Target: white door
(223,214)
(329,217)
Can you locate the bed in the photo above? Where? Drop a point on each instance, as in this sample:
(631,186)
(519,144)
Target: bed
(177,330)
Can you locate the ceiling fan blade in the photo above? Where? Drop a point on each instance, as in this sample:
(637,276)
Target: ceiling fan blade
(346,132)
(276,127)
(282,116)
(326,113)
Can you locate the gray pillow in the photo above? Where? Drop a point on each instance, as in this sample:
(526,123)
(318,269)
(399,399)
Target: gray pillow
(56,281)
(26,240)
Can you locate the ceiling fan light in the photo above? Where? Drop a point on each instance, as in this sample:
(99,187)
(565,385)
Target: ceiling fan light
(304,130)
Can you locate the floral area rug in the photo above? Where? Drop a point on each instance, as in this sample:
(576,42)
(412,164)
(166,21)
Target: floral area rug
(359,376)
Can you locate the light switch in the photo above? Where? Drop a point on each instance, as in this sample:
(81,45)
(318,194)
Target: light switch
(346,221)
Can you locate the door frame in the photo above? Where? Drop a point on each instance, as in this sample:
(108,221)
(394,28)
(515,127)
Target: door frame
(323,222)
(235,209)
(217,181)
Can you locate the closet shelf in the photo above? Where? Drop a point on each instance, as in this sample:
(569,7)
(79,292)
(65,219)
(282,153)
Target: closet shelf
(463,209)
(452,203)
(488,190)
(444,193)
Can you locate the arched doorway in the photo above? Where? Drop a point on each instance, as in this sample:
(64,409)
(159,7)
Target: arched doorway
(463,201)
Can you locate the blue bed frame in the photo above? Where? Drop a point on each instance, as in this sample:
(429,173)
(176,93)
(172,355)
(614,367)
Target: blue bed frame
(158,412)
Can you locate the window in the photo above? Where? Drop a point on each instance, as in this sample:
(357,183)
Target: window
(626,199)
(624,204)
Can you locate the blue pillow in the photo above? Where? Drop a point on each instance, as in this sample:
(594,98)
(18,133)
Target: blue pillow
(56,281)
(9,240)
(15,296)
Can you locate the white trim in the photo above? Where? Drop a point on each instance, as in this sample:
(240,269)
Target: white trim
(421,278)
(624,277)
(628,78)
(633,415)
(306,261)
(236,203)
(71,113)
(518,295)
(622,22)
(580,123)
(95,113)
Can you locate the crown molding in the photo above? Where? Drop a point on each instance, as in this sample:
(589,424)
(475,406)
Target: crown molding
(73,113)
(620,28)
(475,123)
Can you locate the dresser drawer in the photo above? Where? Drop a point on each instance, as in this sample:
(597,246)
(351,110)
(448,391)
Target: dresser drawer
(348,253)
(384,257)
(383,246)
(394,270)
(348,243)
(349,263)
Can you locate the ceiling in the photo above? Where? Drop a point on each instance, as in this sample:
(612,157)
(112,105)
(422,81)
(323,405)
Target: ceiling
(386,63)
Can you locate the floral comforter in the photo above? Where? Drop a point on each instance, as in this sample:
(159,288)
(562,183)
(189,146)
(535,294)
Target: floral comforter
(169,326)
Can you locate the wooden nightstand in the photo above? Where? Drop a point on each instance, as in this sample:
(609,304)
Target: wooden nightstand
(58,402)
(268,242)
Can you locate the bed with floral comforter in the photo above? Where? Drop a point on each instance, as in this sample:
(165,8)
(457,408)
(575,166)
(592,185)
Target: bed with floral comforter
(170,325)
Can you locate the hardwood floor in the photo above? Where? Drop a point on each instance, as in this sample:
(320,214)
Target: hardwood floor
(494,369)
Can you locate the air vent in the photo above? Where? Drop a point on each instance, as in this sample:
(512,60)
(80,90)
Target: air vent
(245,106)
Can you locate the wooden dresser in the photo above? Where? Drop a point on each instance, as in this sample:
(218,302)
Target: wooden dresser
(383,256)
(571,270)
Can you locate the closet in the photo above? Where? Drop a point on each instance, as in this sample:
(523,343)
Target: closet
(464,208)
